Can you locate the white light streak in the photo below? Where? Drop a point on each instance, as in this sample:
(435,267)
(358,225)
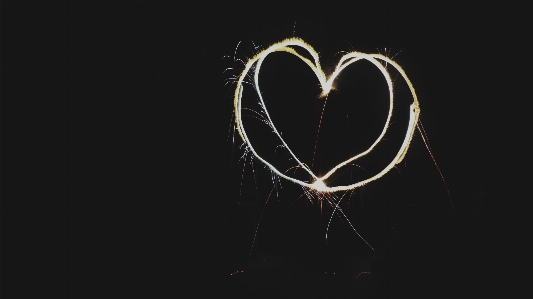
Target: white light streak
(326,82)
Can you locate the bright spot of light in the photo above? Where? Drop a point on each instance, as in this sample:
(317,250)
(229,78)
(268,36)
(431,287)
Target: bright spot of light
(320,186)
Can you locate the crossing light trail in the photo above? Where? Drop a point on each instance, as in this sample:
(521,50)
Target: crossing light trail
(252,70)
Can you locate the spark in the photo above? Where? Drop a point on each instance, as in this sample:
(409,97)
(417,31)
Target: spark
(426,142)
(237,272)
(319,185)
(326,82)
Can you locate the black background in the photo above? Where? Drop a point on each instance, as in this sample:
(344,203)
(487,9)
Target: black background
(122,176)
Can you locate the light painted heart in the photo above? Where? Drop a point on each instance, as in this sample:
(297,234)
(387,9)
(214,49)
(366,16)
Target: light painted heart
(326,83)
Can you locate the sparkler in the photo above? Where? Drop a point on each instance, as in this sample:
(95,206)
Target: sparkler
(317,184)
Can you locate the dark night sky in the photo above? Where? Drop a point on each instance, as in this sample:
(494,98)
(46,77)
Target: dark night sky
(120,177)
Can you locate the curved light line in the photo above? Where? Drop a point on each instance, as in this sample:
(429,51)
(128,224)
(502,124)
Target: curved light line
(326,83)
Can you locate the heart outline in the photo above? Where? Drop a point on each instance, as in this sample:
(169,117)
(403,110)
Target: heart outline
(326,83)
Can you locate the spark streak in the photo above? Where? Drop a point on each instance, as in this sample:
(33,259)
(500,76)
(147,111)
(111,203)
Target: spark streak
(326,82)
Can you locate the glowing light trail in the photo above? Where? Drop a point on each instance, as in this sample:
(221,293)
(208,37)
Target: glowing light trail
(254,65)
